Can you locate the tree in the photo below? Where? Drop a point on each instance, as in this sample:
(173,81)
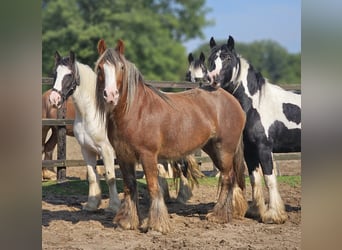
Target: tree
(153,32)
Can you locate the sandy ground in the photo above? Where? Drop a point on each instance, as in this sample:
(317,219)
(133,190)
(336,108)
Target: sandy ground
(66,226)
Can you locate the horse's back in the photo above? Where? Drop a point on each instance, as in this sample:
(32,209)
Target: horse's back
(224,104)
(221,109)
(282,95)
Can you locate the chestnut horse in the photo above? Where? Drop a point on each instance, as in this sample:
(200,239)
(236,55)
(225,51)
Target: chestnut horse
(50,111)
(145,125)
(90,131)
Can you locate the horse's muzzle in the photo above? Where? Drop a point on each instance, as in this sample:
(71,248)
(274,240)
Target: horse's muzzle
(111,97)
(55,99)
(212,80)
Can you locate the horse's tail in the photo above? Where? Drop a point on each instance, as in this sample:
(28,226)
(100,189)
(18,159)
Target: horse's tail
(239,165)
(193,173)
(239,201)
(187,175)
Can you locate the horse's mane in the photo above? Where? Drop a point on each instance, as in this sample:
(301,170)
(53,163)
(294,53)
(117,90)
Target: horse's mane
(131,80)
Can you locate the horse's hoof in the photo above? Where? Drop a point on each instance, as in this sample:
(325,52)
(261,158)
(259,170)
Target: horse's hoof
(125,224)
(89,208)
(212,217)
(112,210)
(49,175)
(274,217)
(156,230)
(113,206)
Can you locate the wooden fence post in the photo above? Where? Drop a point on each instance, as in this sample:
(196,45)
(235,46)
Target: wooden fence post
(61,145)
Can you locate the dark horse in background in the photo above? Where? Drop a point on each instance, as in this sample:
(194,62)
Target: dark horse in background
(197,71)
(50,111)
(273,123)
(145,125)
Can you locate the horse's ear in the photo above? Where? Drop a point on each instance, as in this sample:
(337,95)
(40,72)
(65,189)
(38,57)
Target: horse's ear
(212,42)
(72,57)
(190,58)
(230,43)
(120,47)
(101,46)
(57,57)
(202,57)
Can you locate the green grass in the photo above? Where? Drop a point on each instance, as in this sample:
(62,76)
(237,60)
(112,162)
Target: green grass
(293,181)
(80,187)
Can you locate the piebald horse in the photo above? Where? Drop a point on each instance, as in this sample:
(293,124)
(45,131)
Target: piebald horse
(145,125)
(78,80)
(273,123)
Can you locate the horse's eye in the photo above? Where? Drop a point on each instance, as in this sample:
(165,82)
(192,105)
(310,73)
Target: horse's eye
(68,76)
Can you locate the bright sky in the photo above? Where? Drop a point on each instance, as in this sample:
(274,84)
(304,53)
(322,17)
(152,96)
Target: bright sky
(249,20)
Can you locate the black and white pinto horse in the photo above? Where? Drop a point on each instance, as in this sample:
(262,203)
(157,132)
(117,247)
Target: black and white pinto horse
(273,123)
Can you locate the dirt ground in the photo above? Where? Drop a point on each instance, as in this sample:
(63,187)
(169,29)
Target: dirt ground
(66,226)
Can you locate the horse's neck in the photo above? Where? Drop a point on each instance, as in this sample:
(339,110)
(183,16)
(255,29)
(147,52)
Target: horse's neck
(122,113)
(241,89)
(84,95)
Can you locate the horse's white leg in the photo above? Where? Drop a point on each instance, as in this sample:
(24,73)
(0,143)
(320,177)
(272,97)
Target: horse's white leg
(108,160)
(94,196)
(169,170)
(276,209)
(258,207)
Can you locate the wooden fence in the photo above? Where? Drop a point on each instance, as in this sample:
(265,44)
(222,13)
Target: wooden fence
(61,163)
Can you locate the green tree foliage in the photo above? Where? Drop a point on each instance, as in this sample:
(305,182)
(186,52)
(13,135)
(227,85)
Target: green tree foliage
(268,57)
(153,32)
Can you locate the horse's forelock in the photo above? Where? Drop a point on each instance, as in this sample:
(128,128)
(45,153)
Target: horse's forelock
(197,63)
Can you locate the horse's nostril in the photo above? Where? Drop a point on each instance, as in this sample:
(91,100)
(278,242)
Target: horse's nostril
(105,93)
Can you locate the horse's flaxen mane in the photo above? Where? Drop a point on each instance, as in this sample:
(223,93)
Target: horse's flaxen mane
(131,79)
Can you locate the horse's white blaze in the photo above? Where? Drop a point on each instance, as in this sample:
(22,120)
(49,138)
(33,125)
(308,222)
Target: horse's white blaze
(218,67)
(276,96)
(196,73)
(111,88)
(55,97)
(62,71)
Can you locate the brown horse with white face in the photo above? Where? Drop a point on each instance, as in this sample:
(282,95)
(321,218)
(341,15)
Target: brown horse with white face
(145,125)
